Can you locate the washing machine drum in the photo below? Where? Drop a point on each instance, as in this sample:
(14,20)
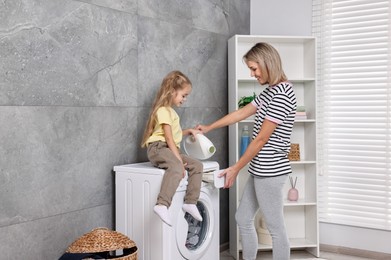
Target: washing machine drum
(194,237)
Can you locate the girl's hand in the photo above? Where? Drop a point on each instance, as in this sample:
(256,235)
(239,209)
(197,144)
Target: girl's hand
(184,170)
(193,132)
(230,176)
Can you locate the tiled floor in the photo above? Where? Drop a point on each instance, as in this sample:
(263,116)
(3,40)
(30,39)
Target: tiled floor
(299,255)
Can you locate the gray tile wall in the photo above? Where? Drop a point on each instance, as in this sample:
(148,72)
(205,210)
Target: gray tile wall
(77,80)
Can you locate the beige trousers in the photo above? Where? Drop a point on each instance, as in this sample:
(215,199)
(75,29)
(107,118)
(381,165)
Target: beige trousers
(162,157)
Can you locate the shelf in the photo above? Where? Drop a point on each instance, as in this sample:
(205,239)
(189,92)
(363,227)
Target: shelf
(274,38)
(251,121)
(302,242)
(305,121)
(300,202)
(293,80)
(295,243)
(302,162)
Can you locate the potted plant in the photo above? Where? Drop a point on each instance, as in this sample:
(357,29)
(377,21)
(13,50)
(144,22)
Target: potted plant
(243,101)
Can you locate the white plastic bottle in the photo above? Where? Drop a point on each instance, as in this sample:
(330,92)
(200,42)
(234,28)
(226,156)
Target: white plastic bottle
(245,140)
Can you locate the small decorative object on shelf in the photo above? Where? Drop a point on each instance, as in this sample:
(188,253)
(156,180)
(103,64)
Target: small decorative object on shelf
(300,109)
(301,114)
(293,193)
(294,154)
(243,101)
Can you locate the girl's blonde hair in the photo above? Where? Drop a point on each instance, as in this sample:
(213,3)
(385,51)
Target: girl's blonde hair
(269,61)
(174,81)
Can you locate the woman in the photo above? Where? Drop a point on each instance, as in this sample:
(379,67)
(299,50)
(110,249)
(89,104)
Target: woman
(269,167)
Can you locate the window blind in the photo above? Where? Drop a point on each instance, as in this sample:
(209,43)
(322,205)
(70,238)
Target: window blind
(354,108)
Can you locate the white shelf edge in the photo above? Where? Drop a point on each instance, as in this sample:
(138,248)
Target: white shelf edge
(303,162)
(296,121)
(293,80)
(297,162)
(300,202)
(247,121)
(294,243)
(246,38)
(305,121)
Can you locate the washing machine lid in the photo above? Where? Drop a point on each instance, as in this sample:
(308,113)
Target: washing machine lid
(147,167)
(144,167)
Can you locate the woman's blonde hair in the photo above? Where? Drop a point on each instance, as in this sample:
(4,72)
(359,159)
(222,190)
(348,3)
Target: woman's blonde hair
(174,81)
(269,61)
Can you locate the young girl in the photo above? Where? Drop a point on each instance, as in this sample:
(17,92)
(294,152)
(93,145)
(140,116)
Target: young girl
(162,137)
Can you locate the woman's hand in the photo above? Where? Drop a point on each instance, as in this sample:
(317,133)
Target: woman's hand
(191,131)
(203,128)
(230,176)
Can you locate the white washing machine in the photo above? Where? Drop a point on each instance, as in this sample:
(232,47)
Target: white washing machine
(137,187)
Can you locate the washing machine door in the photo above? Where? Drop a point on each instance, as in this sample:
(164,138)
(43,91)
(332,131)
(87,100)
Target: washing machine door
(194,237)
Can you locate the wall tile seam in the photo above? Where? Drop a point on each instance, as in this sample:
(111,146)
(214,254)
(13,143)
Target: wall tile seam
(181,24)
(57,215)
(68,106)
(107,7)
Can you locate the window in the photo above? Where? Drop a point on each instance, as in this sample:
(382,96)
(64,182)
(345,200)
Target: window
(354,111)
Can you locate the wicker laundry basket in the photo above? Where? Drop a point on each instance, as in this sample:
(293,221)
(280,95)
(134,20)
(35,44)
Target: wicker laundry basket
(105,241)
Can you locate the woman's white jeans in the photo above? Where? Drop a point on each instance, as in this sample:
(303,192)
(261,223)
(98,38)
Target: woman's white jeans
(265,194)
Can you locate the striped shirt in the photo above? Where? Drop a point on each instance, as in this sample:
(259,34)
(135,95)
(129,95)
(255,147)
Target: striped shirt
(278,104)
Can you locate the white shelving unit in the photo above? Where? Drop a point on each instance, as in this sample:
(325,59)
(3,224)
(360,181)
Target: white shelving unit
(298,55)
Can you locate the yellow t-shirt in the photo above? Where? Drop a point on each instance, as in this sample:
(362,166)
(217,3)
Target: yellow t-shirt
(166,115)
